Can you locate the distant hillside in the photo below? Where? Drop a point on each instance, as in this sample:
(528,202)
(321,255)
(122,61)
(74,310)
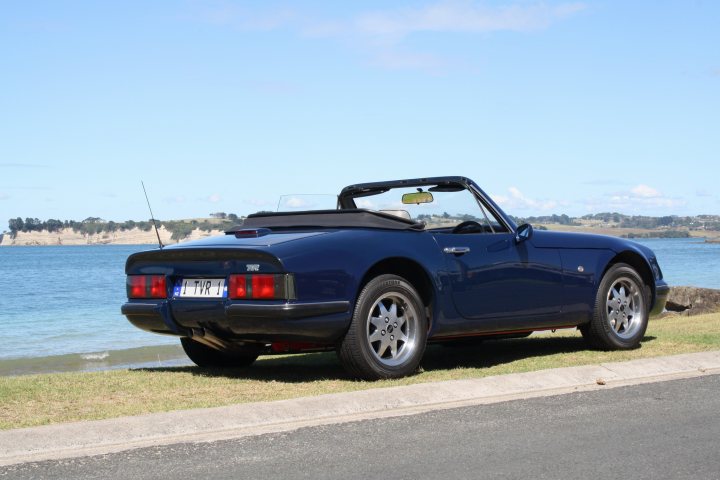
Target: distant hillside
(632,226)
(699,222)
(94,230)
(94,226)
(134,236)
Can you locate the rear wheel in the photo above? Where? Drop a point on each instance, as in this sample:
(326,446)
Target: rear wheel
(621,310)
(206,357)
(388,332)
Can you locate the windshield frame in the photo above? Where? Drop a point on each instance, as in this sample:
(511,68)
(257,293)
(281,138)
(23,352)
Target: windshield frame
(346,199)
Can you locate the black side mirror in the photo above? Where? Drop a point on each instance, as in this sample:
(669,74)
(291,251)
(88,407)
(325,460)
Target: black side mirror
(524,232)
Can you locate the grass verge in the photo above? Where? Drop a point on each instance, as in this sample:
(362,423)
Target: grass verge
(54,398)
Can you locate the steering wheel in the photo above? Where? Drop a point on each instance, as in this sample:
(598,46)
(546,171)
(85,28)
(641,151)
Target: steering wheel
(468,226)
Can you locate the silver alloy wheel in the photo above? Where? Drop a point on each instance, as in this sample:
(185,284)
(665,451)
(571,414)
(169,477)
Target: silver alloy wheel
(392,328)
(625,306)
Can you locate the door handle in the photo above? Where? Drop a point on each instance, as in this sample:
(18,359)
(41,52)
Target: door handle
(456,250)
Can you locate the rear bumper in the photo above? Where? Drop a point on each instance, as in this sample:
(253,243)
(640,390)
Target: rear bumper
(662,290)
(320,322)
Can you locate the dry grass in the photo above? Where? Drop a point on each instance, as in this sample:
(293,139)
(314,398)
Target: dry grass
(44,399)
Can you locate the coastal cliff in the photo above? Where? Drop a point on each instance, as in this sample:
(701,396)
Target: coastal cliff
(68,236)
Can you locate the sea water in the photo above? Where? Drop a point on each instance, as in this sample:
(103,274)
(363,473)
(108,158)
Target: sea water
(687,261)
(61,300)
(62,303)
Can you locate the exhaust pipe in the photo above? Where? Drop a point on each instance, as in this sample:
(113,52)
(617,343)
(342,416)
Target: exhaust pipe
(206,337)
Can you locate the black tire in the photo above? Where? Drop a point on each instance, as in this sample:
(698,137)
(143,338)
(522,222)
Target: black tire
(621,313)
(206,357)
(388,332)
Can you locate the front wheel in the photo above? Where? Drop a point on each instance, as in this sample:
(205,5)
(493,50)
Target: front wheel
(206,357)
(388,332)
(621,310)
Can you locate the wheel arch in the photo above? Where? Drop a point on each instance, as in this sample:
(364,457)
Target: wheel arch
(641,266)
(411,271)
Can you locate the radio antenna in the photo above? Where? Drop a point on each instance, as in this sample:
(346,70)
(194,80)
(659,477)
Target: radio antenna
(152,216)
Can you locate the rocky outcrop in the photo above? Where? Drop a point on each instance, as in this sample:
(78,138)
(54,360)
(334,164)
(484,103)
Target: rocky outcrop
(693,300)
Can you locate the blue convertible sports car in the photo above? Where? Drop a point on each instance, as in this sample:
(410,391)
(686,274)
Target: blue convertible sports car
(384,273)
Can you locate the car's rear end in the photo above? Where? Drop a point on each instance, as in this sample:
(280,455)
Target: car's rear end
(228,292)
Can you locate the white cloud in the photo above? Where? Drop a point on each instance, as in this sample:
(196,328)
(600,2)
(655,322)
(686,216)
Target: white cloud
(381,34)
(4,196)
(516,200)
(643,191)
(214,198)
(295,202)
(307,201)
(365,203)
(703,193)
(463,17)
(638,199)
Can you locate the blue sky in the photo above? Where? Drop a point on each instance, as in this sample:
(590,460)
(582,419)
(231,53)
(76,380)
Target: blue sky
(552,107)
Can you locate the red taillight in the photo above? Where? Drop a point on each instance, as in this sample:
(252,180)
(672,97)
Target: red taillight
(146,286)
(136,286)
(261,286)
(157,286)
(238,286)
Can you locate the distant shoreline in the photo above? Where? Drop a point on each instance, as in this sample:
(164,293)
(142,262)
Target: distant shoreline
(67,236)
(710,236)
(138,236)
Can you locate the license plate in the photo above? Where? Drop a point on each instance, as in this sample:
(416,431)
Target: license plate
(200,288)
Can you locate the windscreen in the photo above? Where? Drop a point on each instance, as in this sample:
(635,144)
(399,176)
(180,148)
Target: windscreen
(437,210)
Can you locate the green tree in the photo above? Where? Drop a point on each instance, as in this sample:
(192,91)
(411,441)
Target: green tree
(16,225)
(32,224)
(53,225)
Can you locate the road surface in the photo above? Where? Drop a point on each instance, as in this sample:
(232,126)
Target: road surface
(660,430)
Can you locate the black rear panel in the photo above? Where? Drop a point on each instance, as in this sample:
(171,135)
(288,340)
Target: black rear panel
(204,262)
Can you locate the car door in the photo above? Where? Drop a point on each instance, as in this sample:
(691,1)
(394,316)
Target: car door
(500,284)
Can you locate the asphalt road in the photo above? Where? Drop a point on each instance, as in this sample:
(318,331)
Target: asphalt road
(660,430)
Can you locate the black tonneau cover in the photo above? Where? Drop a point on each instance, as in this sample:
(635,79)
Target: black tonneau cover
(351,218)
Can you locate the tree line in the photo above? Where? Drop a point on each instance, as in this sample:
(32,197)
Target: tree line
(95,225)
(182,228)
(698,222)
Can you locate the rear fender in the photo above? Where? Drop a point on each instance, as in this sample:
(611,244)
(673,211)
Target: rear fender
(411,271)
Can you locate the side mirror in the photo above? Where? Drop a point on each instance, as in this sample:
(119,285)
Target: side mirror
(524,232)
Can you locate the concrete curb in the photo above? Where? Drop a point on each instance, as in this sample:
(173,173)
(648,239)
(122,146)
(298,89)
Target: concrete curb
(235,421)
